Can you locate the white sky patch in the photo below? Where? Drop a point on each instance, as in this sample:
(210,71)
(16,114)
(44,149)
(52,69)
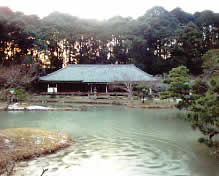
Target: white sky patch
(101,9)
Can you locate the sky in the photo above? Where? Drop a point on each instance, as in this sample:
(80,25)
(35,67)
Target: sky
(105,9)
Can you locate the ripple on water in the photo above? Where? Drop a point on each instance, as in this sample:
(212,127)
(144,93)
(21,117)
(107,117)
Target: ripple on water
(133,152)
(149,156)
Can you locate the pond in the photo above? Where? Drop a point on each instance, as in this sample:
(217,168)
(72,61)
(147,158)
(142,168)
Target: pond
(118,141)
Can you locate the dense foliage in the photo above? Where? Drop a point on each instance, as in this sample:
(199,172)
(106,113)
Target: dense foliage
(156,42)
(199,98)
(178,80)
(211,63)
(204,111)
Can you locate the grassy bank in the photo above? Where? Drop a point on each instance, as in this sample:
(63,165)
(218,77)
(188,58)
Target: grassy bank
(25,143)
(33,99)
(115,100)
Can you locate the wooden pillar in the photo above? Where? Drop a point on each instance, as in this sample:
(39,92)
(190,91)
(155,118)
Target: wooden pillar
(150,91)
(91,91)
(106,89)
(95,92)
(88,89)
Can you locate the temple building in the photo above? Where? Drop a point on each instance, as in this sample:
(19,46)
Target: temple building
(89,77)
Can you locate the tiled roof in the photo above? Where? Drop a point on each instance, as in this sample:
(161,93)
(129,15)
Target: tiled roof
(97,73)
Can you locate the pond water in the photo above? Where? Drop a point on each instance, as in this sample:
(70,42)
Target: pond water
(118,141)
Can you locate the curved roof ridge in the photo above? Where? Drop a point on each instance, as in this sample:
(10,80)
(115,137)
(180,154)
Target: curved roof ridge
(143,71)
(50,74)
(98,73)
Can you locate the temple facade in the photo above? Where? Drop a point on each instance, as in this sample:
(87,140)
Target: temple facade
(88,78)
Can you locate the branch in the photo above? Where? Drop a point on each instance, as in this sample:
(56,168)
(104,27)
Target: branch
(212,134)
(9,169)
(44,170)
(208,131)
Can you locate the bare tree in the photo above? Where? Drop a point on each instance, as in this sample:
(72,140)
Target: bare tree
(126,86)
(16,76)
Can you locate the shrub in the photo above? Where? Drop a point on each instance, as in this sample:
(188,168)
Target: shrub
(3,95)
(21,94)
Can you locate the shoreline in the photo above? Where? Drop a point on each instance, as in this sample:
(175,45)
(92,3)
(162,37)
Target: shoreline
(29,105)
(20,144)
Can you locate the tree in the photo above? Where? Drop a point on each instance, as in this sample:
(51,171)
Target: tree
(182,16)
(204,111)
(188,48)
(20,94)
(199,87)
(143,91)
(157,41)
(178,80)
(210,64)
(126,86)
(16,76)
(200,99)
(156,26)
